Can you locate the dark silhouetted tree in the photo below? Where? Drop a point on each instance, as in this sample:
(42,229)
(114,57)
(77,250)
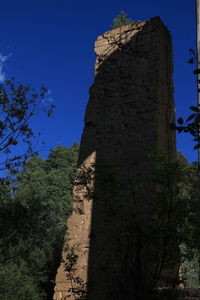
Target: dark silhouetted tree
(33,224)
(18,104)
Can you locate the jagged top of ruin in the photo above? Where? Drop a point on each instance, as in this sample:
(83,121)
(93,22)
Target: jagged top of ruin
(135,25)
(111,40)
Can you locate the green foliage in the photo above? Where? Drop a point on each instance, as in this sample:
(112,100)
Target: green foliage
(121,20)
(178,210)
(190,243)
(18,104)
(18,283)
(32,224)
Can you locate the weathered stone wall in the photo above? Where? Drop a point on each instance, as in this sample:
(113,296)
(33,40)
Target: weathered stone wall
(128,115)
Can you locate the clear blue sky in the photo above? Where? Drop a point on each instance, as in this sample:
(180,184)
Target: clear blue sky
(52,41)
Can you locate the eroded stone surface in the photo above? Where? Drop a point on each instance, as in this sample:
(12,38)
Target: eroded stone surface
(73,277)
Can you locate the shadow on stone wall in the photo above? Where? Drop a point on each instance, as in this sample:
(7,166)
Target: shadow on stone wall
(51,269)
(121,126)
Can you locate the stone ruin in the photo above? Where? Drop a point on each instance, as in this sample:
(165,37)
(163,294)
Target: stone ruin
(128,115)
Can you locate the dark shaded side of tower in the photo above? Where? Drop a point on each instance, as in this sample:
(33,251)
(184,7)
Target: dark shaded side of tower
(128,116)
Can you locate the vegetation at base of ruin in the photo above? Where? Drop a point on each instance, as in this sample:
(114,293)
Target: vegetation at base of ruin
(32,224)
(180,216)
(165,239)
(177,211)
(19,103)
(174,223)
(35,196)
(188,224)
(122,19)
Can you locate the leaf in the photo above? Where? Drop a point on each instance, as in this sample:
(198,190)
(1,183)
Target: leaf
(197,118)
(196,71)
(194,108)
(190,61)
(192,51)
(179,129)
(180,121)
(190,117)
(197,146)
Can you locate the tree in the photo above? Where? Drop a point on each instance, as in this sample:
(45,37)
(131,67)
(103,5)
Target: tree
(18,104)
(173,227)
(121,20)
(178,210)
(190,245)
(34,217)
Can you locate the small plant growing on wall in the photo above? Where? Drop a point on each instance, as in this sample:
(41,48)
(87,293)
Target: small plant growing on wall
(121,20)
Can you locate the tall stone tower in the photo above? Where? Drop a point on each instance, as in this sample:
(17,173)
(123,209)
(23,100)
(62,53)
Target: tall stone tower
(128,115)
